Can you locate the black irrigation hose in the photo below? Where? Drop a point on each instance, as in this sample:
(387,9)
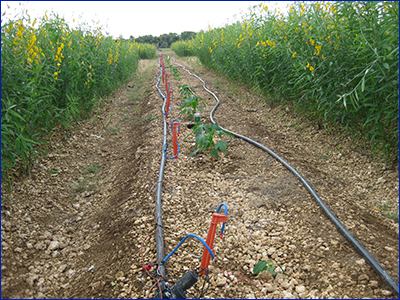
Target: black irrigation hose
(159,231)
(393,285)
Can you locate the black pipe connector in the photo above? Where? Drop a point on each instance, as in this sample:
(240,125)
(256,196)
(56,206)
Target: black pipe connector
(178,290)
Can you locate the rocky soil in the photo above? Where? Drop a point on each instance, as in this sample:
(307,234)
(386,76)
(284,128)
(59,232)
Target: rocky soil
(82,224)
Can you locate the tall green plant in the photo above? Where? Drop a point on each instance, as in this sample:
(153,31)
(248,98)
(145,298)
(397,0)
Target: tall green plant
(51,75)
(337,61)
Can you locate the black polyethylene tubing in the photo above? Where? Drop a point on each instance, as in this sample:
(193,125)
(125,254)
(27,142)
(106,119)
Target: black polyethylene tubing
(394,286)
(159,231)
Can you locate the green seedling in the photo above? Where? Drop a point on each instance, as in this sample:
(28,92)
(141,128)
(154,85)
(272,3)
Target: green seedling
(266,266)
(191,103)
(205,140)
(185,90)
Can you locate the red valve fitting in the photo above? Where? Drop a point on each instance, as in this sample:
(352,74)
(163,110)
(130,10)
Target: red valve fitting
(216,218)
(169,93)
(175,129)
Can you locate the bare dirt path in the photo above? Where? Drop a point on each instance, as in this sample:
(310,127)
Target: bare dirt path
(82,225)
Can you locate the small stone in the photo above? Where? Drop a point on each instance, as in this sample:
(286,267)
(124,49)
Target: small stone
(287,295)
(270,287)
(386,293)
(373,283)
(86,246)
(40,281)
(381,180)
(40,246)
(300,289)
(62,268)
(18,249)
(363,277)
(47,235)
(390,249)
(360,262)
(221,281)
(54,245)
(336,265)
(286,285)
(271,251)
(266,275)
(31,279)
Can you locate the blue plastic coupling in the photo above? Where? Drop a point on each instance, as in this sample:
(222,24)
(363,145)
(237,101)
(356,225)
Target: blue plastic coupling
(179,128)
(189,235)
(170,88)
(165,150)
(226,213)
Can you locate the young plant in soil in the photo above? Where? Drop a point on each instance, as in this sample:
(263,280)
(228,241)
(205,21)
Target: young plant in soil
(191,103)
(205,140)
(266,266)
(174,69)
(177,74)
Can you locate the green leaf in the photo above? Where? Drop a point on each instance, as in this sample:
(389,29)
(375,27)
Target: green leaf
(386,65)
(221,146)
(260,266)
(272,270)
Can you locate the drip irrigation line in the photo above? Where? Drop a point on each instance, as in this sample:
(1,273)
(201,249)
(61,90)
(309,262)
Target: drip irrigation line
(393,285)
(159,233)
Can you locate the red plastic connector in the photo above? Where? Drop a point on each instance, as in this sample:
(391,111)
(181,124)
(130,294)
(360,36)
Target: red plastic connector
(175,127)
(216,218)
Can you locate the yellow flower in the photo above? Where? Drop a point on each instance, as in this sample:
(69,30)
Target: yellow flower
(307,65)
(323,56)
(294,54)
(311,68)
(55,73)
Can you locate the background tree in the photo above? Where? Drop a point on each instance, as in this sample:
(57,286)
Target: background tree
(187,35)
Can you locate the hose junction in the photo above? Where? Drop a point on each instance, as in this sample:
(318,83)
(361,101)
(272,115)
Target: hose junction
(164,290)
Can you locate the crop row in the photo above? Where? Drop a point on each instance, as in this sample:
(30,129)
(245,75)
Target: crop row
(337,61)
(52,74)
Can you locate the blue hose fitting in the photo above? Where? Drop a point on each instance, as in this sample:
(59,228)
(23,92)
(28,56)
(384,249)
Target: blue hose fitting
(226,213)
(189,235)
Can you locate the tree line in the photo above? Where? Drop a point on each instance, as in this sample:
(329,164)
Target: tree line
(165,40)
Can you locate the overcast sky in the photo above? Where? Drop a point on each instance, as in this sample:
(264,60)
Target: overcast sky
(138,18)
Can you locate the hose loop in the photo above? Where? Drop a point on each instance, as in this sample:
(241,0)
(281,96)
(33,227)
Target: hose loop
(179,128)
(165,150)
(226,213)
(191,235)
